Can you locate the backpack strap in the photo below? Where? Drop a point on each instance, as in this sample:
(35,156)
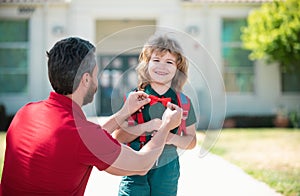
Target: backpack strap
(185,103)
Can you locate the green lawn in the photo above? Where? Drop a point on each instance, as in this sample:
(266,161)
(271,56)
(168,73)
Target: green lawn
(2,150)
(269,155)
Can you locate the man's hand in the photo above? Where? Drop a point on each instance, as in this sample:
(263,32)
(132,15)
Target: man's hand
(135,101)
(172,116)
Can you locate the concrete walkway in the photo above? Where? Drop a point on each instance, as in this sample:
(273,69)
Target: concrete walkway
(200,176)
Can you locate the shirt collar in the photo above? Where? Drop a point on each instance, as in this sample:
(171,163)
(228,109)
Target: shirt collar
(169,93)
(67,103)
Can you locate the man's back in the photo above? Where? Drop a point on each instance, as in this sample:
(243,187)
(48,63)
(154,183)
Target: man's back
(43,148)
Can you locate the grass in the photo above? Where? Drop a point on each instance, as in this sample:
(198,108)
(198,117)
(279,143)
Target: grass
(269,155)
(2,150)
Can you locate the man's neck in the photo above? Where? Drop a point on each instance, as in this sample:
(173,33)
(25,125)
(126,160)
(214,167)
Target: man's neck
(75,98)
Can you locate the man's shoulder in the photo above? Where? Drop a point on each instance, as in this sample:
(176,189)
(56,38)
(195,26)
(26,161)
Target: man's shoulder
(30,106)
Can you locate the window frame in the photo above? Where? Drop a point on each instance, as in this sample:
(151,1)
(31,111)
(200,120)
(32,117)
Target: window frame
(18,45)
(228,70)
(282,86)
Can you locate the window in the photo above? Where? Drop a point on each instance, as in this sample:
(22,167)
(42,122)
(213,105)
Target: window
(14,56)
(238,69)
(290,82)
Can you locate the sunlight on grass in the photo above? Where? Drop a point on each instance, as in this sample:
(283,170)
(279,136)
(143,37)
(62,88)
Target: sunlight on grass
(269,155)
(2,150)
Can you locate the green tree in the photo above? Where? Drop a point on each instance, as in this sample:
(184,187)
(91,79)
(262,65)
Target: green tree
(273,33)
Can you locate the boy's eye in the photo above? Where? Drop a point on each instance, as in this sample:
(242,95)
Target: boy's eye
(170,62)
(155,60)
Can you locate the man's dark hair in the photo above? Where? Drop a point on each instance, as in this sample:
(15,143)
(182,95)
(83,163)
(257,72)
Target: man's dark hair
(68,60)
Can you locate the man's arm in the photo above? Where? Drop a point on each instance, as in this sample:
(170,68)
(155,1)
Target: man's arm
(127,133)
(134,102)
(132,162)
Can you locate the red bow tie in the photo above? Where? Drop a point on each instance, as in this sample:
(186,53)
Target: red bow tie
(163,100)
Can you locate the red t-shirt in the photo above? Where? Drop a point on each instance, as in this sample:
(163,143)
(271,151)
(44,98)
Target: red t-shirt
(51,149)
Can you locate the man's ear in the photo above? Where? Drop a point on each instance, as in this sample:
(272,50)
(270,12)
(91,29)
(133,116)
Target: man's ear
(85,79)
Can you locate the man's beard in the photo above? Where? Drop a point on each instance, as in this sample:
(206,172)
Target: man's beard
(90,94)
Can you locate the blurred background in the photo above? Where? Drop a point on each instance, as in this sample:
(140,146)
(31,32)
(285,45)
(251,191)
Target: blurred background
(244,74)
(228,89)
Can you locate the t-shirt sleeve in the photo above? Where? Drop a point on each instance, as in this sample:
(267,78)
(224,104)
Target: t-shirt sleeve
(191,119)
(98,147)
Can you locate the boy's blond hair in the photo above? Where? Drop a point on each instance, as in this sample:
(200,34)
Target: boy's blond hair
(161,45)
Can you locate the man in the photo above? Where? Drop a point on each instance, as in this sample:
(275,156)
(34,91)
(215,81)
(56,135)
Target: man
(51,147)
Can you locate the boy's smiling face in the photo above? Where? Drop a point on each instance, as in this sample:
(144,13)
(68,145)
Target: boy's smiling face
(162,68)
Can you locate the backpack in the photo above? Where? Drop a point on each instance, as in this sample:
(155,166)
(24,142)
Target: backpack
(183,102)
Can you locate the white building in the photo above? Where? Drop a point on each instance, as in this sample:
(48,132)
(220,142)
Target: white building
(222,81)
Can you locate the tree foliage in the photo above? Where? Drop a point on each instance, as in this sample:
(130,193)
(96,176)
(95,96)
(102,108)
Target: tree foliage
(273,33)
